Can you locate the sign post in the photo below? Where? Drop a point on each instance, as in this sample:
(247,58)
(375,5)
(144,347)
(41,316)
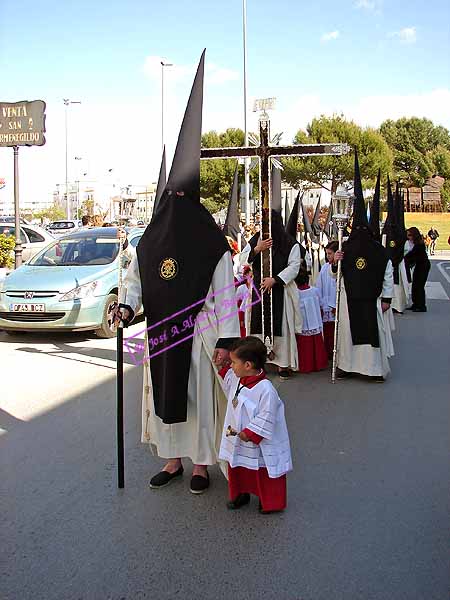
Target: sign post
(21,124)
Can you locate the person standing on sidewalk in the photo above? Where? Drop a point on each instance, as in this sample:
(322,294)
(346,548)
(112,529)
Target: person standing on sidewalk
(417,258)
(433,234)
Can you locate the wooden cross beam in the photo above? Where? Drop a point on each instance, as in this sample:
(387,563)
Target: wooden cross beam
(265,152)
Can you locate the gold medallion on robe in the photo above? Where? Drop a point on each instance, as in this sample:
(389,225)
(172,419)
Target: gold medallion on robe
(168,269)
(235,401)
(392,244)
(361,263)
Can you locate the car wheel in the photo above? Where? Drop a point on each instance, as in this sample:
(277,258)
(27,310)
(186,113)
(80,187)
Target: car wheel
(105,331)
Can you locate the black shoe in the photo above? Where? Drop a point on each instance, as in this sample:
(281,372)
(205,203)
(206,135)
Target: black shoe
(416,309)
(163,478)
(376,378)
(412,307)
(340,374)
(284,374)
(199,484)
(240,501)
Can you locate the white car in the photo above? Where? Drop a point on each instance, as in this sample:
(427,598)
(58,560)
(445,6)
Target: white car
(33,238)
(63,226)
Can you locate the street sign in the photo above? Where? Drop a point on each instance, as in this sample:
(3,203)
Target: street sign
(22,123)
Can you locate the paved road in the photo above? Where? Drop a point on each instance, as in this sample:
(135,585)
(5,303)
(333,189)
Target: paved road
(368,514)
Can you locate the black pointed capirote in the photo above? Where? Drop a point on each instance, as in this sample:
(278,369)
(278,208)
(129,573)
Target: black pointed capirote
(286,209)
(315,226)
(374,221)
(231,227)
(160,186)
(359,207)
(307,229)
(291,225)
(185,171)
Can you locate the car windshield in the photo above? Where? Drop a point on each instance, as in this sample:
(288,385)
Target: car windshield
(61,225)
(78,251)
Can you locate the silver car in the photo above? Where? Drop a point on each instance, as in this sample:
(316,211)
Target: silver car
(33,238)
(63,226)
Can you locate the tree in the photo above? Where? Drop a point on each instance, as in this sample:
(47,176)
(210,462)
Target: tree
(53,213)
(420,149)
(330,171)
(216,176)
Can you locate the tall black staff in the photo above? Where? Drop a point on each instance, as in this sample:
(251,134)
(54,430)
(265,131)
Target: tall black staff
(119,391)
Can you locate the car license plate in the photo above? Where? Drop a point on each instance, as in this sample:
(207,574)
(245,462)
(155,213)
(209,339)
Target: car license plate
(28,307)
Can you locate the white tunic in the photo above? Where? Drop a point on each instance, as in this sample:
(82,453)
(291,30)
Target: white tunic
(309,302)
(401,290)
(285,346)
(364,358)
(326,284)
(199,437)
(261,410)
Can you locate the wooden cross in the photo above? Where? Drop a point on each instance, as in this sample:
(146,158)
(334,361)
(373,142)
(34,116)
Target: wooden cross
(265,152)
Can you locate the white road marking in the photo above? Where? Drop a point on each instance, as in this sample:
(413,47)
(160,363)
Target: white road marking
(441,270)
(435,291)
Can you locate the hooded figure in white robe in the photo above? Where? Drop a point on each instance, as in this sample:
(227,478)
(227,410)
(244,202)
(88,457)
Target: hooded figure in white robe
(183,277)
(366,294)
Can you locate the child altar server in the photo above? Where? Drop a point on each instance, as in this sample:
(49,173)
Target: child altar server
(326,284)
(255,440)
(312,355)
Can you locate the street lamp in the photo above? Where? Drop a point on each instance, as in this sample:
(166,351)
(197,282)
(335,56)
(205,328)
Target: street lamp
(246,160)
(163,64)
(66,104)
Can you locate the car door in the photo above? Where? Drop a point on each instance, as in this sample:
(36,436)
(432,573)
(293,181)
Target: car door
(35,242)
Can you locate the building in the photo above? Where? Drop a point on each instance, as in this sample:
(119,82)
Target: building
(427,198)
(109,200)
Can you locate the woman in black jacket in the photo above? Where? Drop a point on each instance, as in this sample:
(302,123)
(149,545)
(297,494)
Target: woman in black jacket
(417,258)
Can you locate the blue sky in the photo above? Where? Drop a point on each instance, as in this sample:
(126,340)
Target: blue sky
(371,59)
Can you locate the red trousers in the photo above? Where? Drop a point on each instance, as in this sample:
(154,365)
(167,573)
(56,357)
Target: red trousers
(271,492)
(312,355)
(328,337)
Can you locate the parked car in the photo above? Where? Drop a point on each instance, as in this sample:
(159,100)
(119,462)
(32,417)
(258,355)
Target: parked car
(33,238)
(63,226)
(70,285)
(11,219)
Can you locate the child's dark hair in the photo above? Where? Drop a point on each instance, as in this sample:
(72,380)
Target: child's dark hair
(302,277)
(333,246)
(252,349)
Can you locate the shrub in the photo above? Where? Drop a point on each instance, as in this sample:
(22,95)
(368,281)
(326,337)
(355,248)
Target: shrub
(7,244)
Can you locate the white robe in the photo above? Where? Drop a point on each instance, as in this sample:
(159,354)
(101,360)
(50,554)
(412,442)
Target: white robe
(285,346)
(199,437)
(401,290)
(261,410)
(309,302)
(365,359)
(326,284)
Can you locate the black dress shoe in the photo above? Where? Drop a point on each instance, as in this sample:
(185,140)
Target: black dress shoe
(284,374)
(240,501)
(340,374)
(163,478)
(199,484)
